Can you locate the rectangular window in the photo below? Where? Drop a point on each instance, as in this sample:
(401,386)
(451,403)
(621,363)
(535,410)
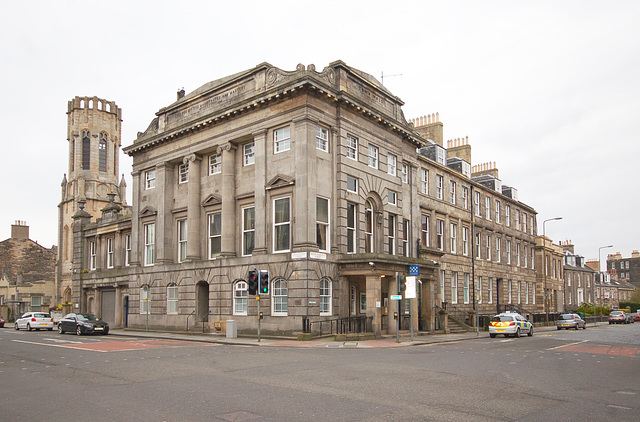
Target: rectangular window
(392,165)
(392,198)
(215,234)
(215,164)
(392,235)
(454,287)
(110,252)
(497,211)
(424,181)
(240,298)
(465,197)
(325,297)
(424,238)
(476,203)
(517,219)
(281,225)
(453,237)
(507,215)
(490,290)
(525,256)
(479,288)
(322,224)
(488,248)
(524,222)
(405,238)
(248,154)
(465,241)
(282,139)
(172,299)
(368,231)
(439,186)
(144,300)
(405,173)
(442,278)
(498,249)
(532,226)
(182,240)
(533,293)
(248,230)
(508,247)
(127,250)
(149,179)
(465,285)
(322,139)
(519,283)
(352,147)
(92,255)
(477,245)
(510,291)
(352,184)
(526,293)
(149,243)
(183,173)
(452,192)
(487,207)
(518,254)
(351,227)
(440,234)
(373,156)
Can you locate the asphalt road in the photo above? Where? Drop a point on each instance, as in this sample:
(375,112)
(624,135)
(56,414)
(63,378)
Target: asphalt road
(586,375)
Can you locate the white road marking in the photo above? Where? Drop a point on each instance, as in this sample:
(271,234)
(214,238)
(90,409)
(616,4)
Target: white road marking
(54,345)
(565,345)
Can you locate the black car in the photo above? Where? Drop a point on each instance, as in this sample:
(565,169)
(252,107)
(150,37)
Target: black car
(82,324)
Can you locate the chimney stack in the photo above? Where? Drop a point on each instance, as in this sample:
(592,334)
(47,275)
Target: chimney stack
(20,230)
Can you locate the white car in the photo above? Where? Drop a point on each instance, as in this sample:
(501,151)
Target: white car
(510,324)
(34,321)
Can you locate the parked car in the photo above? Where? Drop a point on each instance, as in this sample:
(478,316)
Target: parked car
(1,322)
(34,321)
(629,318)
(509,323)
(82,324)
(567,321)
(617,317)
(636,316)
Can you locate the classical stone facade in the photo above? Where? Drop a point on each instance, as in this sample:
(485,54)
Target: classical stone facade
(579,279)
(93,134)
(27,274)
(318,179)
(550,274)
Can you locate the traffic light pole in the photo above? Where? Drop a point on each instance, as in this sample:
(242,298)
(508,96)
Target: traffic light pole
(397,310)
(258,299)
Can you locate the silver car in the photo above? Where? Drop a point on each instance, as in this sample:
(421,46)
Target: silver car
(567,321)
(34,321)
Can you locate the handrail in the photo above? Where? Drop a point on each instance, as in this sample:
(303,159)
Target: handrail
(358,324)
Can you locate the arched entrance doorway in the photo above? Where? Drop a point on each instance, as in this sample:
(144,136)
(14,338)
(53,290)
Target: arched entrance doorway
(66,301)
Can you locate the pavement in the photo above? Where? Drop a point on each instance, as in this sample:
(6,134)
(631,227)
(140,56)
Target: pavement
(325,342)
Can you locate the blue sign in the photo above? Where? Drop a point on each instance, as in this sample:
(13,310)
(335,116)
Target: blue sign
(414,270)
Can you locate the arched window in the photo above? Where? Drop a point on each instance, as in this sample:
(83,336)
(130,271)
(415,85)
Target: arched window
(86,150)
(280,294)
(325,296)
(145,299)
(72,154)
(368,216)
(240,296)
(172,299)
(102,149)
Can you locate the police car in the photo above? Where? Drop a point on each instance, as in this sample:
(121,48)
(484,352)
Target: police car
(510,324)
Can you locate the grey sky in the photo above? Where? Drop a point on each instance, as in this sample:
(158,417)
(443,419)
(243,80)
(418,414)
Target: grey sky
(547,89)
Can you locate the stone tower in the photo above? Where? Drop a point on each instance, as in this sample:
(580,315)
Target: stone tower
(94,136)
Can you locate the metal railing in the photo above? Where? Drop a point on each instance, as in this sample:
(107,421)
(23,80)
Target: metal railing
(360,324)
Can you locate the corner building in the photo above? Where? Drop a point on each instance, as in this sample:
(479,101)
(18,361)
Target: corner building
(315,177)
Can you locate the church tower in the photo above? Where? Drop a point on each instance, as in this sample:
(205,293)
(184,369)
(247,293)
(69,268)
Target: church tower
(94,136)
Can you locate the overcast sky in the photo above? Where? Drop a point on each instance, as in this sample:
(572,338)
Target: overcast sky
(547,89)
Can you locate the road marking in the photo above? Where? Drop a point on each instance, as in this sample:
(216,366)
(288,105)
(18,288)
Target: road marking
(618,407)
(41,344)
(567,345)
(57,340)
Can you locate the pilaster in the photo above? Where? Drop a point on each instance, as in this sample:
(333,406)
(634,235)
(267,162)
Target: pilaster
(259,139)
(304,144)
(229,229)
(135,220)
(193,208)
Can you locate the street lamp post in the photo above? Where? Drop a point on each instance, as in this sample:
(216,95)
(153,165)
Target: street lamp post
(544,265)
(601,280)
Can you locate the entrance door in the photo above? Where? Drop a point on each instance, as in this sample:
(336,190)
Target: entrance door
(108,306)
(202,301)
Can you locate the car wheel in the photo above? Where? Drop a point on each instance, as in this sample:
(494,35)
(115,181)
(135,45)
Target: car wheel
(79,331)
(577,327)
(517,334)
(530,333)
(15,326)
(60,330)
(584,327)
(559,328)
(492,335)
(28,327)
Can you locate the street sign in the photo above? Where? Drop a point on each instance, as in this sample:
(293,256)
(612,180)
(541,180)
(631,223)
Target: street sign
(414,270)
(396,297)
(410,292)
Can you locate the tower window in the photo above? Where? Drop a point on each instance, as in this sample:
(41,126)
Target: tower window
(86,150)
(102,148)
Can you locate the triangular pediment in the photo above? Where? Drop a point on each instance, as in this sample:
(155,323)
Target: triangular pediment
(212,200)
(280,180)
(148,211)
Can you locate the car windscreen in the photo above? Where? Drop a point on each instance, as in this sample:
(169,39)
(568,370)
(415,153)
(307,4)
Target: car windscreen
(566,316)
(616,313)
(87,317)
(42,316)
(502,318)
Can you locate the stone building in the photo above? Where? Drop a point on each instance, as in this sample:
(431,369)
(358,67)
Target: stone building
(93,134)
(579,279)
(27,274)
(318,180)
(625,269)
(550,275)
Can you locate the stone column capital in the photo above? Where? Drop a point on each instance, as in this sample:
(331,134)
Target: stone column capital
(226,147)
(191,157)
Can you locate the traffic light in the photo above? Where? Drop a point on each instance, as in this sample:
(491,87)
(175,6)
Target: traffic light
(253,282)
(402,286)
(264,282)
